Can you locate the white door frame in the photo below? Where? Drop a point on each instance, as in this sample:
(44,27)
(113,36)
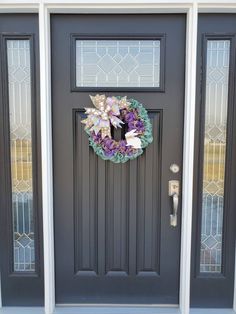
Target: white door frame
(45,8)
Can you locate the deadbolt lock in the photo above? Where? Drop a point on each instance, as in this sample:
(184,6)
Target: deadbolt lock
(174,168)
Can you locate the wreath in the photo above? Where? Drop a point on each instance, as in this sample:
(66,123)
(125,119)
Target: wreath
(117,112)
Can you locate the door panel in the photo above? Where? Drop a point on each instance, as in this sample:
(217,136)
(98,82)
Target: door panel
(213,246)
(113,239)
(119,179)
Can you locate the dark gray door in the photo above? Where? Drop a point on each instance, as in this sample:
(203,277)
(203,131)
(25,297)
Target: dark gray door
(113,239)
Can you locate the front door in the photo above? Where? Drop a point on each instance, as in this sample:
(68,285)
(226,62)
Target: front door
(113,238)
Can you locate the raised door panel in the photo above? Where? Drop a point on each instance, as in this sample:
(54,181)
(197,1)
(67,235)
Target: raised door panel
(123,224)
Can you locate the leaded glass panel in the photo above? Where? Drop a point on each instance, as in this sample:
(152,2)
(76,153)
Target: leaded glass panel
(118,63)
(216,103)
(19,87)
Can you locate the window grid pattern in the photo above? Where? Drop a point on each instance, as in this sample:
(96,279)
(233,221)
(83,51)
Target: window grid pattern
(19,86)
(216,103)
(122,63)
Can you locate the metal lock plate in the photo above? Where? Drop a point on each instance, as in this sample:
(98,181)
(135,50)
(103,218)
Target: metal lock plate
(173,187)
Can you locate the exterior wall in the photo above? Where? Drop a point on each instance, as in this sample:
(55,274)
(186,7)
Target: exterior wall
(44,7)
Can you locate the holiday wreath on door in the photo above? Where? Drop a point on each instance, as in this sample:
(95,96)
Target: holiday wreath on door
(117,112)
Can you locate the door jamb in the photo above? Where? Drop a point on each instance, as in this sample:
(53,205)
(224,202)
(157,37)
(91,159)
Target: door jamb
(188,151)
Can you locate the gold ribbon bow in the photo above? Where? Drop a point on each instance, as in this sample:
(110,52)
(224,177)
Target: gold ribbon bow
(105,114)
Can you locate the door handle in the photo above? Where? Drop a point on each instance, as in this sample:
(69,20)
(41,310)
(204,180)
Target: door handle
(174,193)
(173,216)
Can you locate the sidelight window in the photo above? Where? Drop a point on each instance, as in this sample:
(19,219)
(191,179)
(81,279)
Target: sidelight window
(214,156)
(20,125)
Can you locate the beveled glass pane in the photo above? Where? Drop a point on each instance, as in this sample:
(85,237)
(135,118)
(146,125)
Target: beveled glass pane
(216,104)
(117,63)
(19,86)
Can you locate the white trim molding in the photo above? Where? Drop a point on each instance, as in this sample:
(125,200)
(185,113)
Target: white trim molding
(234,304)
(47,165)
(45,8)
(0,293)
(188,158)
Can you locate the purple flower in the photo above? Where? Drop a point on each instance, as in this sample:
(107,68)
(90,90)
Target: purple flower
(110,146)
(129,117)
(97,138)
(122,146)
(109,153)
(131,125)
(140,126)
(108,142)
(122,143)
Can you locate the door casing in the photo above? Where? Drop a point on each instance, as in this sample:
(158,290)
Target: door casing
(191,8)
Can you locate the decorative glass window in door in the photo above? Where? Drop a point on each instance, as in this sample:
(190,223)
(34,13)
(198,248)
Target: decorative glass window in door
(215,141)
(19,90)
(118,63)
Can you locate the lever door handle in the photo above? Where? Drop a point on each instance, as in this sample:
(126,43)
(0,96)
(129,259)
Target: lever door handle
(174,193)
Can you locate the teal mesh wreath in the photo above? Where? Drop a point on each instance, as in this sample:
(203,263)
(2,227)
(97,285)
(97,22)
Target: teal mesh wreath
(114,112)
